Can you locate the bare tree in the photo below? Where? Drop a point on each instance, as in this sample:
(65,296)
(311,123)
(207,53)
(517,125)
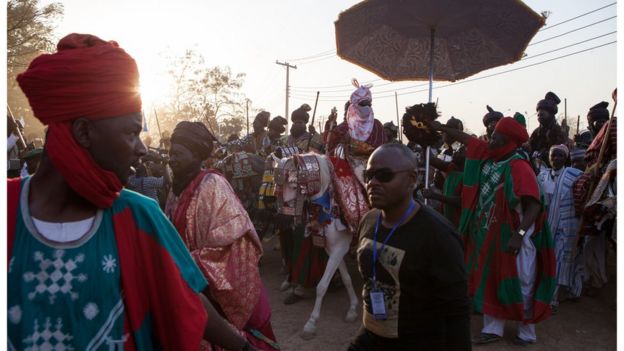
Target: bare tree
(203,93)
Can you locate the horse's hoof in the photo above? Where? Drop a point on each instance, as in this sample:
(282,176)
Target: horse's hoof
(351,316)
(307,335)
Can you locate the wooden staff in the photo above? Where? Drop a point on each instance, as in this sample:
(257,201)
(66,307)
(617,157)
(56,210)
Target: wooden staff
(21,140)
(313,115)
(157,123)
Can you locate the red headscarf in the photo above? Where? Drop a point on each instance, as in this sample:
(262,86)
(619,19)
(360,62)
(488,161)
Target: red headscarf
(513,130)
(516,135)
(90,78)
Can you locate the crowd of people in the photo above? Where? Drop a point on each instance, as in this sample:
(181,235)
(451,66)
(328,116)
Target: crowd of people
(118,244)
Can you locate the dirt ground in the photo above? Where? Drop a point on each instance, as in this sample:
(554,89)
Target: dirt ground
(587,324)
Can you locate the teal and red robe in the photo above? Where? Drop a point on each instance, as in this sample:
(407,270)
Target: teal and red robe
(128,283)
(493,279)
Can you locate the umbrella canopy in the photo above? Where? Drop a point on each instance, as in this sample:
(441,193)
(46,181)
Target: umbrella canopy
(393,38)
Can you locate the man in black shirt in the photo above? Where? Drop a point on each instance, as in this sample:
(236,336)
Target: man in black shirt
(415,295)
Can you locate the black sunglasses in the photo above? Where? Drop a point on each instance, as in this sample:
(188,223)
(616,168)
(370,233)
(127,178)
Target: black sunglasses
(365,103)
(383,175)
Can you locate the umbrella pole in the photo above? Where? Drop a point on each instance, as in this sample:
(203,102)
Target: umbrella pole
(396,103)
(428,151)
(431,64)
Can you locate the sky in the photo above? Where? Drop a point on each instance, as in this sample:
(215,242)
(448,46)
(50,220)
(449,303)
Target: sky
(249,36)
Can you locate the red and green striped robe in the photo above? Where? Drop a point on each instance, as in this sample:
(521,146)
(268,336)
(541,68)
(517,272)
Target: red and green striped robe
(493,275)
(157,283)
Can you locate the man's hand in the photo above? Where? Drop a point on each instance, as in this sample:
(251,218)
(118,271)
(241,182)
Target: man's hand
(515,243)
(311,129)
(428,193)
(11,126)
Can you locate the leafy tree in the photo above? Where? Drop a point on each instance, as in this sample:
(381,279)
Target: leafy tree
(30,32)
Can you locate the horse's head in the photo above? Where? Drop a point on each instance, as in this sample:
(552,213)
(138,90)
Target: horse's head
(307,175)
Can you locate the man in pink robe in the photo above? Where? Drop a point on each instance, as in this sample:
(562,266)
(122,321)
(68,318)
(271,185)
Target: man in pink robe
(219,234)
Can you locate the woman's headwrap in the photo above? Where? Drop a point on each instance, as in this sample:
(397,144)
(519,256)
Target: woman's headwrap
(390,126)
(491,116)
(86,78)
(195,137)
(560,147)
(263,117)
(549,103)
(455,123)
(278,124)
(301,114)
(598,112)
(360,119)
(513,130)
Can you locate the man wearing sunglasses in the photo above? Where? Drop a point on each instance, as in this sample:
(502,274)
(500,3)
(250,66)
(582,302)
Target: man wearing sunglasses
(411,260)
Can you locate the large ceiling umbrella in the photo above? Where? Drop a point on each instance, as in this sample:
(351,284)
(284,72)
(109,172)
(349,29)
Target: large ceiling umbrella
(393,38)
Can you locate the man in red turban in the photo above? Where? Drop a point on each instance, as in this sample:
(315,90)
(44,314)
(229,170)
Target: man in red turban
(508,246)
(90,262)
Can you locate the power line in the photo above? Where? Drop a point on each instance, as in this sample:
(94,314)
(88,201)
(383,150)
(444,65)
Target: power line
(317,59)
(324,53)
(567,46)
(579,16)
(573,30)
(482,77)
(514,69)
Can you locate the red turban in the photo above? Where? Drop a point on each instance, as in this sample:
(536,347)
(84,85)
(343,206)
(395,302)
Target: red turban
(513,130)
(86,78)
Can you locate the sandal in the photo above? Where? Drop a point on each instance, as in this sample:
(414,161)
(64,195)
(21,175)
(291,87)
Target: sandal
(486,338)
(521,342)
(292,298)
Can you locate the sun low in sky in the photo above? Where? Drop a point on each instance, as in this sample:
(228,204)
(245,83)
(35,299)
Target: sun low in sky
(576,59)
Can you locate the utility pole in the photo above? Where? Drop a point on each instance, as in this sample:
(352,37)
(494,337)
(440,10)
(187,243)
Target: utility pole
(288,67)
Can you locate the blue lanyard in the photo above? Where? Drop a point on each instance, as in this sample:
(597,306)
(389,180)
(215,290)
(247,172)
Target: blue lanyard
(403,218)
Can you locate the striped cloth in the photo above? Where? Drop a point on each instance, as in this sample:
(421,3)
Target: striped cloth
(564,226)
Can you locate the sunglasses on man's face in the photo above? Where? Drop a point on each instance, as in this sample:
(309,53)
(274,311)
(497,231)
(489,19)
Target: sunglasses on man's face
(383,175)
(364,103)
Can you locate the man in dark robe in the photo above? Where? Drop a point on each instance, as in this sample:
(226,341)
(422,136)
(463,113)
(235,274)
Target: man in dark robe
(548,133)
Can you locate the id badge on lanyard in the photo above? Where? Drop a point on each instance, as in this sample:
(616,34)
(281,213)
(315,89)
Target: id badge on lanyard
(378,300)
(378,304)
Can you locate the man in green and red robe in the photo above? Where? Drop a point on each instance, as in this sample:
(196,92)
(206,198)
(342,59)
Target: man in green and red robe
(508,245)
(92,265)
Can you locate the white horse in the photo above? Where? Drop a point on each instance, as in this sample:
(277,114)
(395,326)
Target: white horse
(337,243)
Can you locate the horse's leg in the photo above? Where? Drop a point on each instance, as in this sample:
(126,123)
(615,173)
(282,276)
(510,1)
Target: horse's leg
(309,329)
(336,249)
(346,280)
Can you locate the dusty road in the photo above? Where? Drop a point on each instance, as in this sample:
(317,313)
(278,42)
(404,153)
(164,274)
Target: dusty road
(588,324)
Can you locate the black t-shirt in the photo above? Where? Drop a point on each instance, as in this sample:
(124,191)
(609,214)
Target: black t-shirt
(422,274)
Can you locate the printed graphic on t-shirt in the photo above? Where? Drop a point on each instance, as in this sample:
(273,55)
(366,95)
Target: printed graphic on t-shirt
(390,260)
